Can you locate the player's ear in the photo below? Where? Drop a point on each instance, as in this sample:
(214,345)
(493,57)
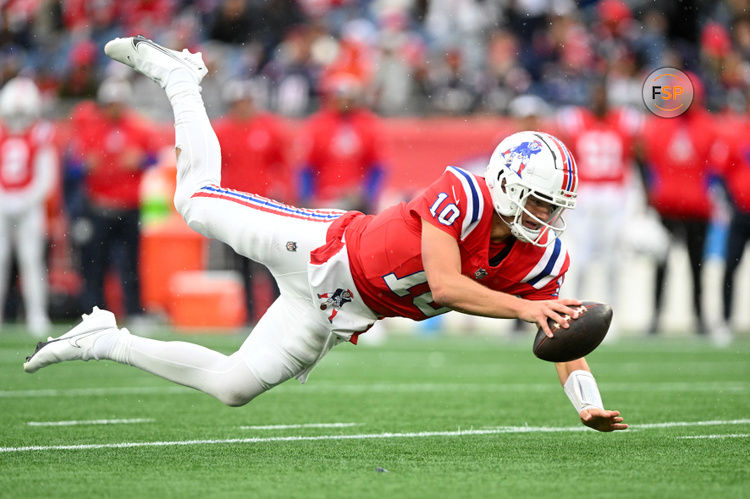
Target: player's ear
(502,185)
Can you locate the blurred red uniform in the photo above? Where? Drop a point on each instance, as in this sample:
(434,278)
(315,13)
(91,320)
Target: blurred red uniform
(112,180)
(677,153)
(253,155)
(343,158)
(603,146)
(732,159)
(343,150)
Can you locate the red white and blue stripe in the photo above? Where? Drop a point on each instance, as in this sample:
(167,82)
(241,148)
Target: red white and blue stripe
(474,200)
(549,265)
(570,171)
(267,205)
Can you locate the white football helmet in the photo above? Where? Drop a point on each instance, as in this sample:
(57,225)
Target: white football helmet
(20,103)
(529,164)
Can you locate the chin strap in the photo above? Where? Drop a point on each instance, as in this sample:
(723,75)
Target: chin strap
(581,389)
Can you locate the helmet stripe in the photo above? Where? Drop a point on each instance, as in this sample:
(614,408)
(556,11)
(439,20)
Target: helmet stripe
(570,177)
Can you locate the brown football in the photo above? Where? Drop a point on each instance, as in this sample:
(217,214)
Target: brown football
(581,338)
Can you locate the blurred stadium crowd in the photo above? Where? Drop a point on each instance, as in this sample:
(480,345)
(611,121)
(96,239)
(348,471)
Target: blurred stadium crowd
(413,56)
(313,76)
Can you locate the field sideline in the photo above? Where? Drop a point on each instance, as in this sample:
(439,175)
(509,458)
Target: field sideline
(445,416)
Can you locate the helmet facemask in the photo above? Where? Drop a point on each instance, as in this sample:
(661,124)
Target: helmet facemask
(546,231)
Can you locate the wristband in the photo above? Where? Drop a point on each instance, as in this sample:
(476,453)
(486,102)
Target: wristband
(581,389)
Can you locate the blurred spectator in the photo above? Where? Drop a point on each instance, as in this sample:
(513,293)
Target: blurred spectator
(677,153)
(393,80)
(447,56)
(233,22)
(293,75)
(506,78)
(146,17)
(652,42)
(253,159)
(459,25)
(601,139)
(81,80)
(452,91)
(530,112)
(114,146)
(343,161)
(275,18)
(28,166)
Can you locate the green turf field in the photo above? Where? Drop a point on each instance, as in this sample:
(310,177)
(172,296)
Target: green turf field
(446,417)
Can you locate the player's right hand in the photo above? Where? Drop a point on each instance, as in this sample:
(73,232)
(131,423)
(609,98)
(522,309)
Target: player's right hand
(539,311)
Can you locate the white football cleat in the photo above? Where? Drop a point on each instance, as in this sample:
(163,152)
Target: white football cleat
(153,60)
(75,344)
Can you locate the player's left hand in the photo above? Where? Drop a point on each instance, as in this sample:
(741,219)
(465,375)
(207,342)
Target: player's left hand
(602,420)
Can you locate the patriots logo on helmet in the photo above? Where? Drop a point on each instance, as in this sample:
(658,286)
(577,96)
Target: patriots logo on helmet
(335,300)
(522,151)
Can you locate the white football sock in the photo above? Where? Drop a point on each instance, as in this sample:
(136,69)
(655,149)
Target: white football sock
(225,377)
(108,345)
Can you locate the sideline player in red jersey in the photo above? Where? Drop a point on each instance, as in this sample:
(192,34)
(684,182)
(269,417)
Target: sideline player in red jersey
(677,154)
(28,167)
(114,145)
(253,159)
(342,159)
(485,246)
(732,159)
(602,142)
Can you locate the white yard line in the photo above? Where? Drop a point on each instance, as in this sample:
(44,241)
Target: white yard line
(304,425)
(87,392)
(362,436)
(91,422)
(327,387)
(358,388)
(691,423)
(728,435)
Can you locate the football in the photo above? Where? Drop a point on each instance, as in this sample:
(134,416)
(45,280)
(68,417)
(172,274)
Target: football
(581,338)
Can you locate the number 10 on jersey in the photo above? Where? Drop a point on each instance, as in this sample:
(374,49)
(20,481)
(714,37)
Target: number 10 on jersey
(448,213)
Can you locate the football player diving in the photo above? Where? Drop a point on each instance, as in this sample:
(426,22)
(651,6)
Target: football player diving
(484,246)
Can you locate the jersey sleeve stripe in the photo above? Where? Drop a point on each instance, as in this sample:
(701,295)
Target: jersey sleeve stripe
(474,199)
(267,205)
(547,267)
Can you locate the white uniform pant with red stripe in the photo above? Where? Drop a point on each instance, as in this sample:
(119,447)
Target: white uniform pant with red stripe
(292,335)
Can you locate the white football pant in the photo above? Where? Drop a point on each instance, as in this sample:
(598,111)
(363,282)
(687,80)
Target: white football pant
(292,335)
(594,232)
(25,233)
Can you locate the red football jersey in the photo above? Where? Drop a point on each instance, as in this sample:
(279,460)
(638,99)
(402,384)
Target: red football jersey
(111,183)
(18,152)
(341,148)
(731,155)
(678,152)
(602,147)
(385,254)
(253,155)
